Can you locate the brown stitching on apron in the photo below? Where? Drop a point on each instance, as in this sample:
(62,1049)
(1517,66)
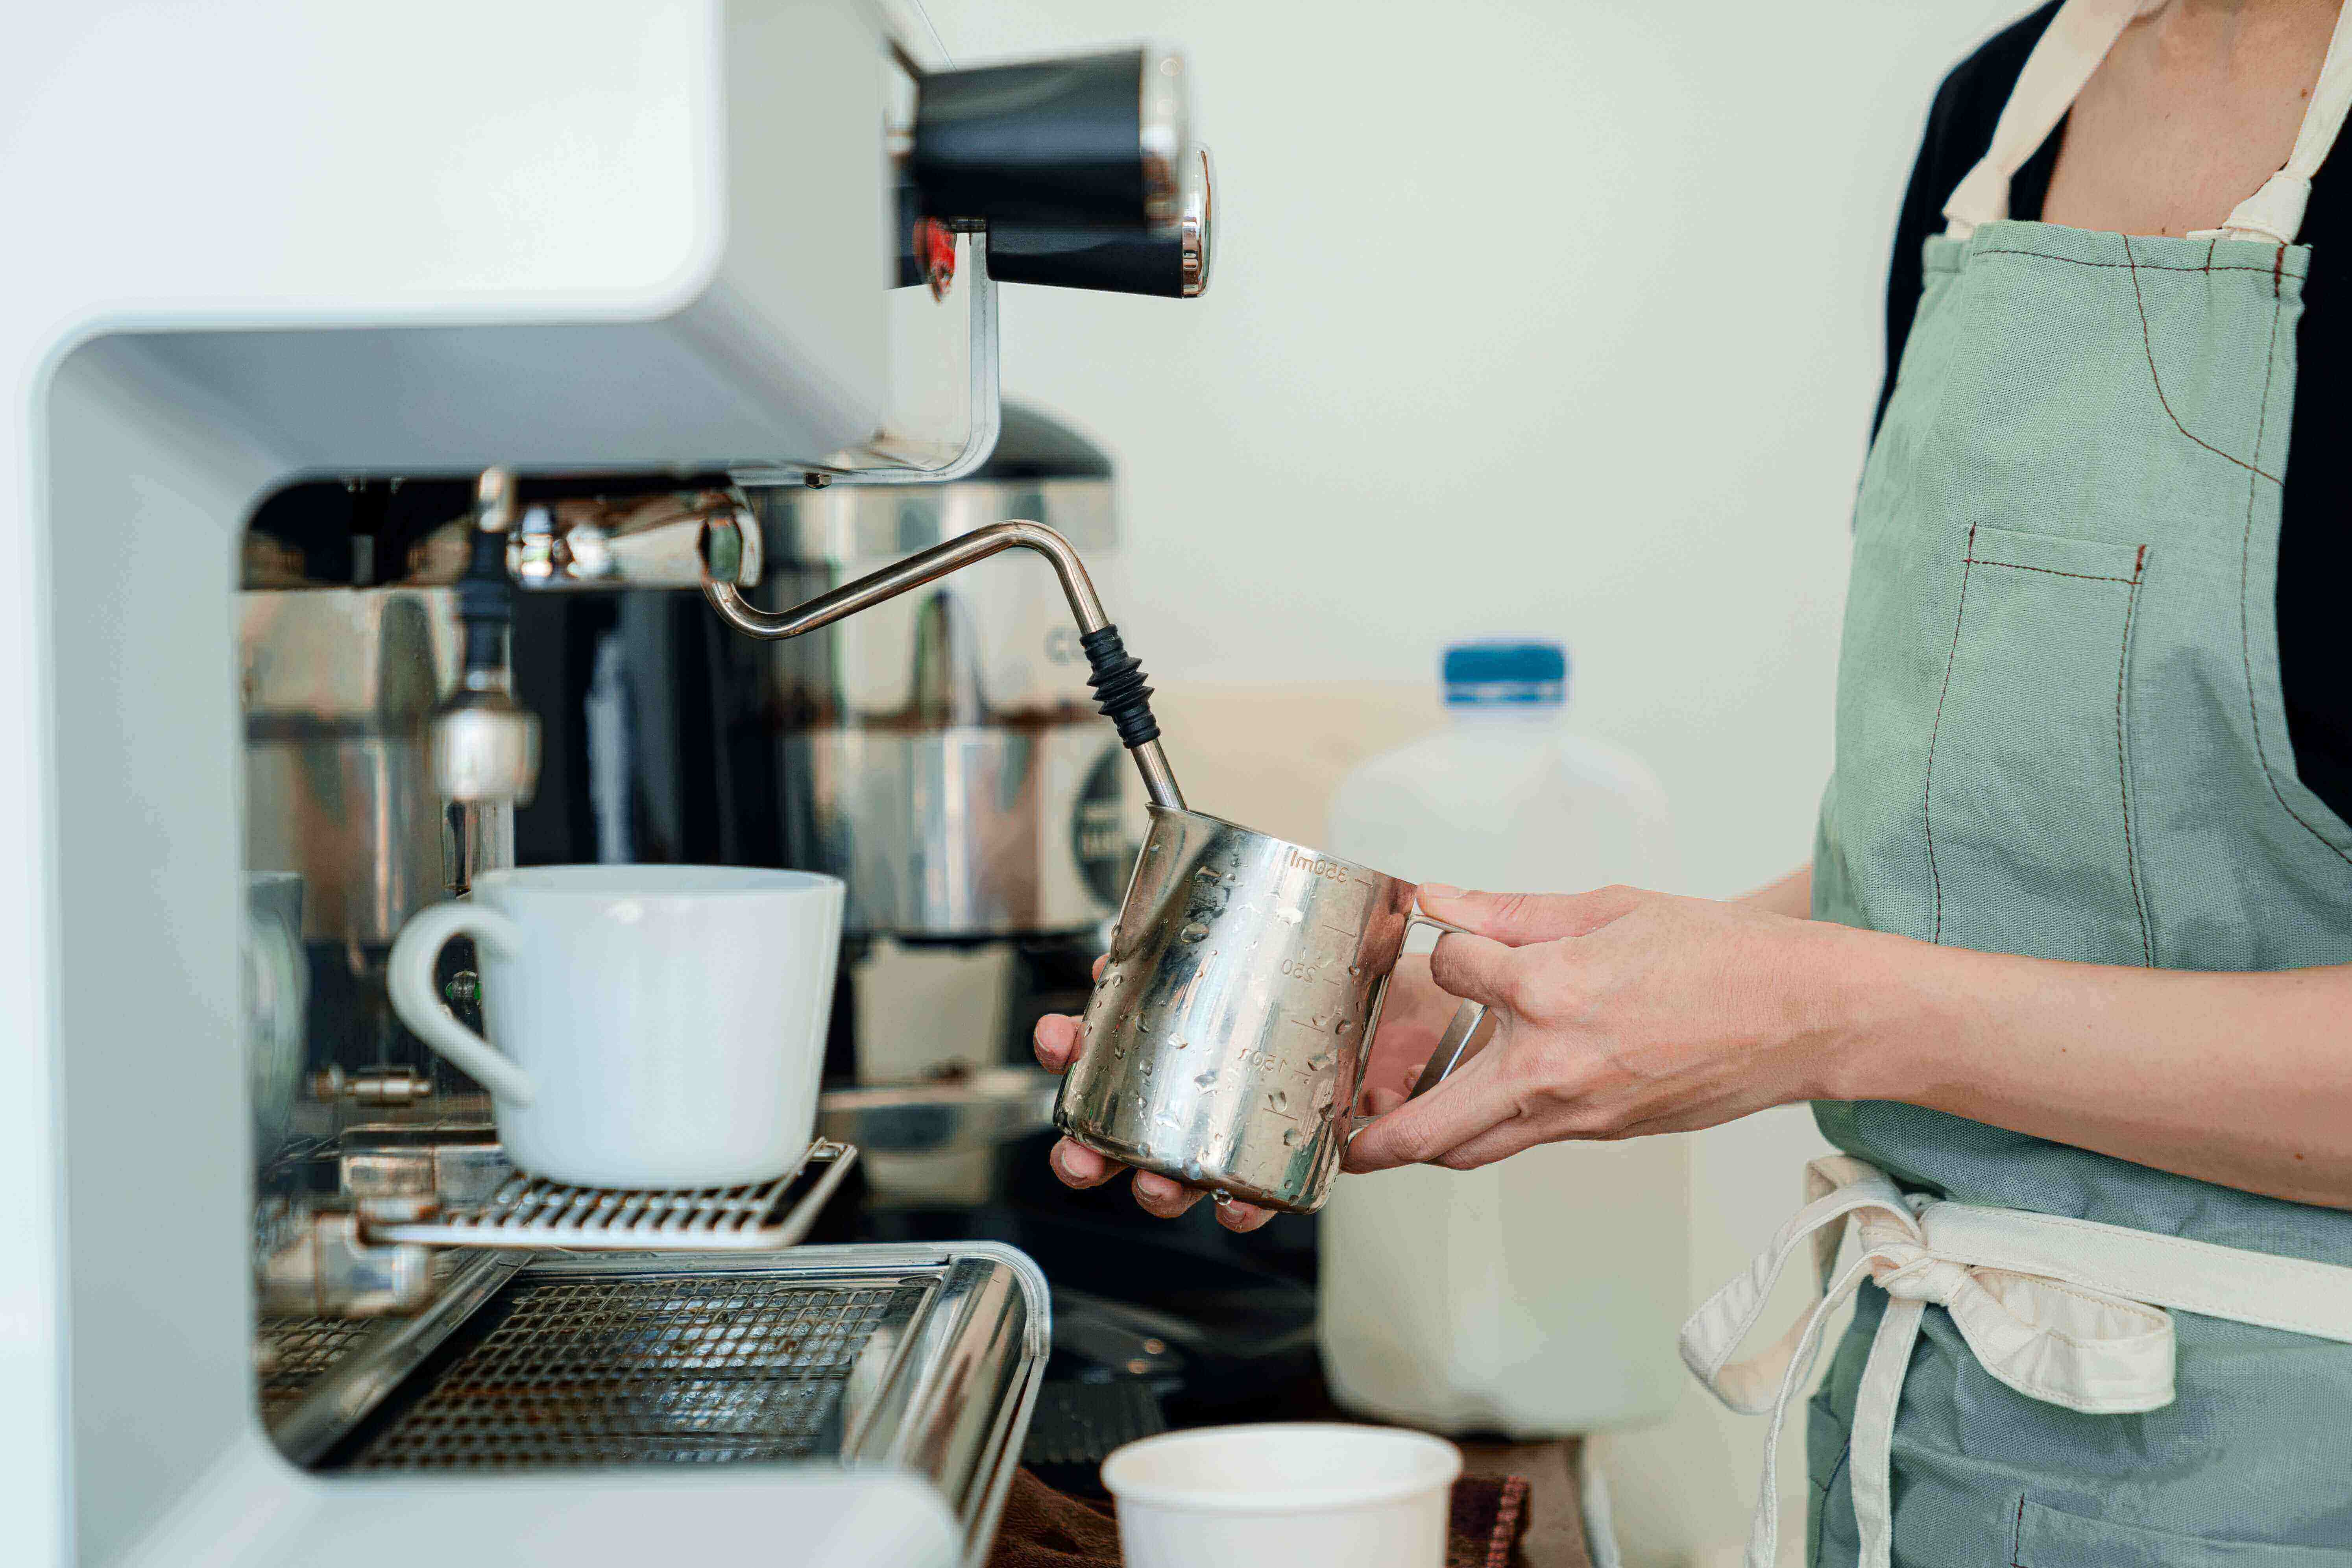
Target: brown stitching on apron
(2053,571)
(2122,765)
(2278,265)
(2147,343)
(2245,621)
(2016,1536)
(2126,266)
(1928,791)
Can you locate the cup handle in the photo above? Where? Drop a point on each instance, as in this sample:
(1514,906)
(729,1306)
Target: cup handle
(1453,1046)
(409,981)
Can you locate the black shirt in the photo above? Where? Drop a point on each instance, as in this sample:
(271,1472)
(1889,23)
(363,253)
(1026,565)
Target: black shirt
(2315,528)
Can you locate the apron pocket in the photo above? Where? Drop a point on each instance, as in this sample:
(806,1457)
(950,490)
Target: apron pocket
(2046,1538)
(2028,790)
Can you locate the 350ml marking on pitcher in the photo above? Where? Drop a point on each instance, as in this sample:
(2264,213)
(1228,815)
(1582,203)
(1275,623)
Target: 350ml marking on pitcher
(1317,866)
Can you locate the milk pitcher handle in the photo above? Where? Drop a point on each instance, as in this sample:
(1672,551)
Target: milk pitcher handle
(1453,1046)
(409,980)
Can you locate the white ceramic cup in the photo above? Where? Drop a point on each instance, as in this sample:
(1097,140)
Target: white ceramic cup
(1287,1493)
(649,1025)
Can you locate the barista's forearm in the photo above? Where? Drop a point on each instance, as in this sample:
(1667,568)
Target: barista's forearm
(2242,1079)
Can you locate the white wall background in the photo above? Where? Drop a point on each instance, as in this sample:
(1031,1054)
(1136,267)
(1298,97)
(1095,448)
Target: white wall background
(1560,316)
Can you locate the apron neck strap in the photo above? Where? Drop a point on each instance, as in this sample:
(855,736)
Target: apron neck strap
(2273,214)
(2070,51)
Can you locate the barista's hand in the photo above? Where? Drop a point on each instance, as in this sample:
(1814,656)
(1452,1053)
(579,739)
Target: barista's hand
(1079,1166)
(1619,1013)
(1413,1019)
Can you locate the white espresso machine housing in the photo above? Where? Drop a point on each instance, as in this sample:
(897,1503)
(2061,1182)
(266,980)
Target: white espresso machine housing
(257,241)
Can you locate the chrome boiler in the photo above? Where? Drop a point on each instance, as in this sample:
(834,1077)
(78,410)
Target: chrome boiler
(937,751)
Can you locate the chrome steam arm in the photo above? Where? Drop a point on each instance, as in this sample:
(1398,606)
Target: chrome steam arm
(1116,677)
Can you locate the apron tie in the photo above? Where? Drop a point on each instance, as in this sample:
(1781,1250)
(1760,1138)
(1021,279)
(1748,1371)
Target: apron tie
(2047,1334)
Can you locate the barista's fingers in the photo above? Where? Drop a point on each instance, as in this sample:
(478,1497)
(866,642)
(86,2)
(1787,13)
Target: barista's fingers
(1238,1216)
(1380,1102)
(1055,1040)
(1101,964)
(1497,1142)
(1518,919)
(1476,1098)
(1167,1199)
(1079,1167)
(1480,969)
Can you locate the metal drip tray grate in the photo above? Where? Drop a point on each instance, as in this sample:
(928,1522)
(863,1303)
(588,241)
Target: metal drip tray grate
(661,1370)
(292,1353)
(529,1212)
(911,1359)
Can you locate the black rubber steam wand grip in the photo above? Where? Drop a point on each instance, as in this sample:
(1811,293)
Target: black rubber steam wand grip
(1116,677)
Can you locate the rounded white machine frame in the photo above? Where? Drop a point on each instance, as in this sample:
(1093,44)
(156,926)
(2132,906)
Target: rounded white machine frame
(256,241)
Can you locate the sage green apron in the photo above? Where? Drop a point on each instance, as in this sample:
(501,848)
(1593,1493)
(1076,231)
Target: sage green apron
(2060,732)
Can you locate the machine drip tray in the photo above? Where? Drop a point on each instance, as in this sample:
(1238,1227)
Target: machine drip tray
(914,1358)
(524,1211)
(653,1369)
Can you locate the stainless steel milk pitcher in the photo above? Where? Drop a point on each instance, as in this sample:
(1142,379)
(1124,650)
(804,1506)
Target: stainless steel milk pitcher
(1225,1044)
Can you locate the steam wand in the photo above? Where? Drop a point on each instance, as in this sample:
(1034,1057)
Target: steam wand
(1118,678)
(485,746)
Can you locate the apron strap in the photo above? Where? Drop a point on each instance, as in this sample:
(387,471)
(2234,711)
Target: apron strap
(2273,214)
(2067,1311)
(2070,51)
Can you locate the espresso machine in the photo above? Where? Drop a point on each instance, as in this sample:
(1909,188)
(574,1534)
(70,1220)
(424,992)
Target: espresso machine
(560,326)
(939,751)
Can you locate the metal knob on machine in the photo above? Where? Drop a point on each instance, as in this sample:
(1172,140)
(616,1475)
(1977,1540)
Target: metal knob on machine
(1169,260)
(1081,170)
(1099,139)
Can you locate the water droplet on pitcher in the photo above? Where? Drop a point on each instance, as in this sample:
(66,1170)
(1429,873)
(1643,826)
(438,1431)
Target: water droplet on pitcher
(1182,1044)
(1279,1101)
(1290,1138)
(1357,970)
(1139,1102)
(1319,1060)
(1194,932)
(1145,1066)
(1206,1081)
(1344,1026)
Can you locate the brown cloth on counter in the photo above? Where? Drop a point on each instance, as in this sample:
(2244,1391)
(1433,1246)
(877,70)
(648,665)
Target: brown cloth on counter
(1045,1529)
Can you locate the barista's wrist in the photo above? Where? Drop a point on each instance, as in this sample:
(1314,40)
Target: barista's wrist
(1878,1009)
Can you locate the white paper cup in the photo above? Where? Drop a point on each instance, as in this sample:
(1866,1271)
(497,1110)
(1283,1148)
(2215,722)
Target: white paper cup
(1289,1493)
